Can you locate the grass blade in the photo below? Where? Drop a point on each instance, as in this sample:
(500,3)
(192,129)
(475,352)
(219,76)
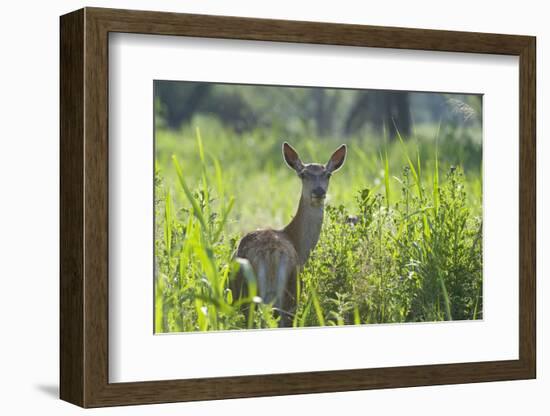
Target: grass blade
(223,220)
(196,207)
(414,171)
(168,218)
(159,305)
(317,306)
(387,177)
(436,172)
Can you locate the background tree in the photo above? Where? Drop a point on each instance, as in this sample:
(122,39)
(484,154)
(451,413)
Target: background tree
(322,112)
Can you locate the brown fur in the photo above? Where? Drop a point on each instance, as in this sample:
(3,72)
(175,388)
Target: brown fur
(266,250)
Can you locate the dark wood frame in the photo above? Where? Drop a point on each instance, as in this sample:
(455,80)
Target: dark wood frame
(84,207)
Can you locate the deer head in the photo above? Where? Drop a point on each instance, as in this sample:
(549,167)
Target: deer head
(315,177)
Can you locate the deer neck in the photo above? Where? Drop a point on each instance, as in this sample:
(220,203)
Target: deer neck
(305,228)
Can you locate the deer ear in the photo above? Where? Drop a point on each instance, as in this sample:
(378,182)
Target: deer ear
(291,157)
(337,159)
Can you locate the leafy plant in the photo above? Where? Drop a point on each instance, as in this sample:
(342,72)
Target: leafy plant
(407,248)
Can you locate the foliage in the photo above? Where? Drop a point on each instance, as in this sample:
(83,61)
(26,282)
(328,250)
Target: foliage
(317,111)
(407,248)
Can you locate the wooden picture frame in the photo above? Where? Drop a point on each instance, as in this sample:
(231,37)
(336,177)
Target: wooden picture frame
(84,207)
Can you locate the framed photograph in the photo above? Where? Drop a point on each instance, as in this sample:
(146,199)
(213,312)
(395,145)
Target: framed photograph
(255,207)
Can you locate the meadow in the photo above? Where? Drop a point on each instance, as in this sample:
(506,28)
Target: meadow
(401,240)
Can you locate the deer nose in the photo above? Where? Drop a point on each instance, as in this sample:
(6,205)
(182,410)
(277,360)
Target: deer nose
(319,192)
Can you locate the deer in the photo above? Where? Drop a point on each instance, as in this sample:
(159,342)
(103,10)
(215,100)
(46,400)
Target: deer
(277,256)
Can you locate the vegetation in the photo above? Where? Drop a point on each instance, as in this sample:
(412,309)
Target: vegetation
(401,239)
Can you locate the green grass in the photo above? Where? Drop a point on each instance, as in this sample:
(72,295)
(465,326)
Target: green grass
(413,254)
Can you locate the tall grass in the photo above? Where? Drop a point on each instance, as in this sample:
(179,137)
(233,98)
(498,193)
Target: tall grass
(401,240)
